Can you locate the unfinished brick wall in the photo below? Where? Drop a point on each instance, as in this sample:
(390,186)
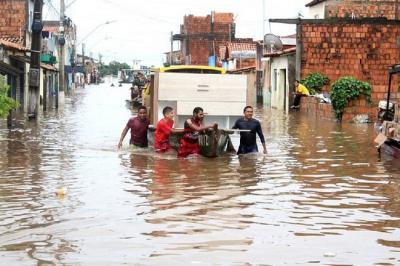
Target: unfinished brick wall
(364,49)
(363,9)
(313,107)
(204,36)
(13,18)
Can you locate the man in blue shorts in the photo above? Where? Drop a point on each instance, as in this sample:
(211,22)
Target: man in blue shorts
(248,141)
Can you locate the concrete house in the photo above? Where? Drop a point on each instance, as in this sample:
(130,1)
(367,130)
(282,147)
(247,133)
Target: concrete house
(279,73)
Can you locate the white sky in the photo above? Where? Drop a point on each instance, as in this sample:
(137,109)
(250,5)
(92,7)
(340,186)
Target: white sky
(142,29)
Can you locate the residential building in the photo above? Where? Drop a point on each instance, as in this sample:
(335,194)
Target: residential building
(321,9)
(200,37)
(358,46)
(51,29)
(279,72)
(12,69)
(15,36)
(88,66)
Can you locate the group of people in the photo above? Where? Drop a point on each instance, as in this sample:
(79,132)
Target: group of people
(138,85)
(248,126)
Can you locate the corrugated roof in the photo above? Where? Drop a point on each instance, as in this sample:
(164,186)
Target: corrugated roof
(241,70)
(227,50)
(314,2)
(50,28)
(282,52)
(12,45)
(232,46)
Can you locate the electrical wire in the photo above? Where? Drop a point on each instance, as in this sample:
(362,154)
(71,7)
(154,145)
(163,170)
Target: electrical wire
(51,6)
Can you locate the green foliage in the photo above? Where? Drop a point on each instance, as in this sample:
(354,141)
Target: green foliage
(346,89)
(112,68)
(6,103)
(314,82)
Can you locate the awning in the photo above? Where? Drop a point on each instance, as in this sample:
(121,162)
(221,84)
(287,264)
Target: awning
(26,59)
(48,67)
(13,45)
(76,69)
(7,69)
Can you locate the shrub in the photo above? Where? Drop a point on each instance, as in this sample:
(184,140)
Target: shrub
(6,103)
(346,89)
(315,82)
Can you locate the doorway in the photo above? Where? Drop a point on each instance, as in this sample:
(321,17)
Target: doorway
(283,88)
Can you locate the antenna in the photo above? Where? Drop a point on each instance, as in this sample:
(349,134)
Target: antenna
(272,43)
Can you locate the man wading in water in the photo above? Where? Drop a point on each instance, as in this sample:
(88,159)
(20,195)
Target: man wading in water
(138,126)
(189,143)
(248,141)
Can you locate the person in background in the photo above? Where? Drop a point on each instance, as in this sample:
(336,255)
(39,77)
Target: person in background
(135,92)
(189,144)
(138,126)
(248,142)
(164,130)
(300,91)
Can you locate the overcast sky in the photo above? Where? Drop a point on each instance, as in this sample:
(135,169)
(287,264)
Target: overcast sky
(142,29)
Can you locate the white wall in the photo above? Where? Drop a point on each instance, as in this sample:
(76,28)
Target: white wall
(279,97)
(317,11)
(222,97)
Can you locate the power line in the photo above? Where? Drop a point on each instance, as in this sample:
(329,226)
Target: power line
(164,20)
(56,12)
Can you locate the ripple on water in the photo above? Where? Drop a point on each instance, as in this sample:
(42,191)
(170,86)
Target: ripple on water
(319,190)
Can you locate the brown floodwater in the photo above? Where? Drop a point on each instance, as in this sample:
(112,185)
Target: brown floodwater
(320,196)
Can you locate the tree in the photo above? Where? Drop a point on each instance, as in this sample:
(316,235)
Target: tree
(112,68)
(6,103)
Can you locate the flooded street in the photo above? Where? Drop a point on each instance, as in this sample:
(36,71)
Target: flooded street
(320,195)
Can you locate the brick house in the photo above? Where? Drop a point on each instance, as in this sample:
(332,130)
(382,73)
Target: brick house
(200,36)
(320,9)
(362,44)
(16,16)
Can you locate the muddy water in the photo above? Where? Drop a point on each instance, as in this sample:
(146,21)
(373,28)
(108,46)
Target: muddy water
(320,196)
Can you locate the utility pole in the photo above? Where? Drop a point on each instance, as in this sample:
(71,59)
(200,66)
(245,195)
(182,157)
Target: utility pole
(172,48)
(83,65)
(34,71)
(61,61)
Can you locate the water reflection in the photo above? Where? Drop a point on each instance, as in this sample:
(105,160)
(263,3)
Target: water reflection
(320,196)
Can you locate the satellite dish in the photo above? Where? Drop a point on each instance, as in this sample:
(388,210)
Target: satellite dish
(272,43)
